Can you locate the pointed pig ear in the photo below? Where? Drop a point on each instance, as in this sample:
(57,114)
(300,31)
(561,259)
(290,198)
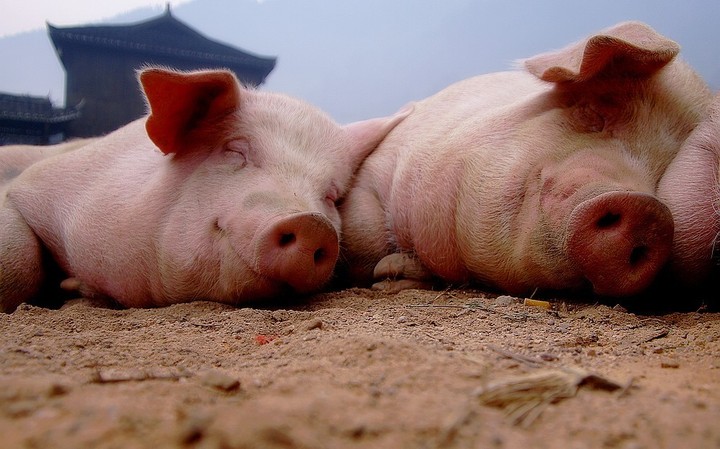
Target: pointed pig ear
(366,135)
(629,48)
(181,102)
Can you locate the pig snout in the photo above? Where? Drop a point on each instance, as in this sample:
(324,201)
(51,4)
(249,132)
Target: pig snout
(299,250)
(620,240)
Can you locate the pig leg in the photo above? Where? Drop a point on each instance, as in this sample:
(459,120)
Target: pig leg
(370,252)
(21,268)
(365,239)
(691,189)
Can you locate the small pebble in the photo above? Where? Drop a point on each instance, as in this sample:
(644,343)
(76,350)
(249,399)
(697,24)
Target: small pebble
(504,300)
(304,326)
(193,428)
(56,389)
(312,323)
(668,363)
(219,381)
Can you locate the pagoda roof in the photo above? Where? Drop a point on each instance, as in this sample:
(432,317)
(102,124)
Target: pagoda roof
(163,36)
(35,109)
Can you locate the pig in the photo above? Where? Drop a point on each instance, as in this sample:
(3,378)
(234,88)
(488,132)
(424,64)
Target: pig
(534,180)
(691,189)
(221,193)
(14,159)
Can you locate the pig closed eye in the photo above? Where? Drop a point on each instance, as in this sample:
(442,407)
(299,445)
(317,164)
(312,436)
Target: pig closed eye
(236,152)
(333,197)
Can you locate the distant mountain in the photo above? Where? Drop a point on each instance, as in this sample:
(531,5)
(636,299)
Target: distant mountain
(362,58)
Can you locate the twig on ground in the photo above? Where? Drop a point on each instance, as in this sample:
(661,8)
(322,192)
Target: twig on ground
(662,333)
(518,357)
(439,295)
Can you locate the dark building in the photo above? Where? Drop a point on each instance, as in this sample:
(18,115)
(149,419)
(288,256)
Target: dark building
(101,62)
(33,120)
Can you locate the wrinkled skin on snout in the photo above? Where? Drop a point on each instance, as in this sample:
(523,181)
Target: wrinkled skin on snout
(543,179)
(221,193)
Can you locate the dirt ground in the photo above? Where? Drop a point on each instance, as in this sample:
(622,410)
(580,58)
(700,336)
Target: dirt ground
(360,369)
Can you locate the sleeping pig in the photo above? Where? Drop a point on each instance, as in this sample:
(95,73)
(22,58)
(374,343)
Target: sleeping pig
(221,193)
(540,179)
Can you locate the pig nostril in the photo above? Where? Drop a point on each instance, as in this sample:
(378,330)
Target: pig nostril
(608,220)
(638,255)
(319,255)
(287,239)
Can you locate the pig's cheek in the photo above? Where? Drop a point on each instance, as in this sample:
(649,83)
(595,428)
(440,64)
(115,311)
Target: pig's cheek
(235,226)
(559,194)
(331,212)
(232,238)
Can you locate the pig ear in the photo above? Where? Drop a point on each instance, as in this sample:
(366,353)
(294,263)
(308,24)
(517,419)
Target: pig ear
(181,102)
(628,48)
(366,135)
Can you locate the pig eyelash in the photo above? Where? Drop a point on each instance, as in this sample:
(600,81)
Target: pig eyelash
(238,150)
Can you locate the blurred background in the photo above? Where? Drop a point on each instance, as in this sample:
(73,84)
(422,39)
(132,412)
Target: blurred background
(357,58)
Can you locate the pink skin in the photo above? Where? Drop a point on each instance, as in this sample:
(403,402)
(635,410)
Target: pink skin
(524,181)
(16,158)
(222,193)
(620,232)
(302,240)
(691,189)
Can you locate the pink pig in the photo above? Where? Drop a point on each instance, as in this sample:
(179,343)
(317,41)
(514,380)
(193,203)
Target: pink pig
(540,179)
(222,193)
(691,189)
(16,158)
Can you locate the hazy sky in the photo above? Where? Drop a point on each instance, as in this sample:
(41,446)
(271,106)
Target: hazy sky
(361,58)
(25,15)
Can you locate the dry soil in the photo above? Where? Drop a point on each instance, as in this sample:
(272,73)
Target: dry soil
(360,369)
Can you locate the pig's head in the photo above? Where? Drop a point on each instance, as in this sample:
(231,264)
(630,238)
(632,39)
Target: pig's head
(583,162)
(252,179)
(691,189)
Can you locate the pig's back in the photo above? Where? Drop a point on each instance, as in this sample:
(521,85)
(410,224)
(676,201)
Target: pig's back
(443,122)
(95,184)
(418,168)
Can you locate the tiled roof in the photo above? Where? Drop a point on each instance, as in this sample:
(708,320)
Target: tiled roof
(163,35)
(34,109)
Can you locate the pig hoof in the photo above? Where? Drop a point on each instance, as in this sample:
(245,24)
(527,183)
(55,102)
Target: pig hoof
(71,285)
(401,265)
(76,286)
(400,271)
